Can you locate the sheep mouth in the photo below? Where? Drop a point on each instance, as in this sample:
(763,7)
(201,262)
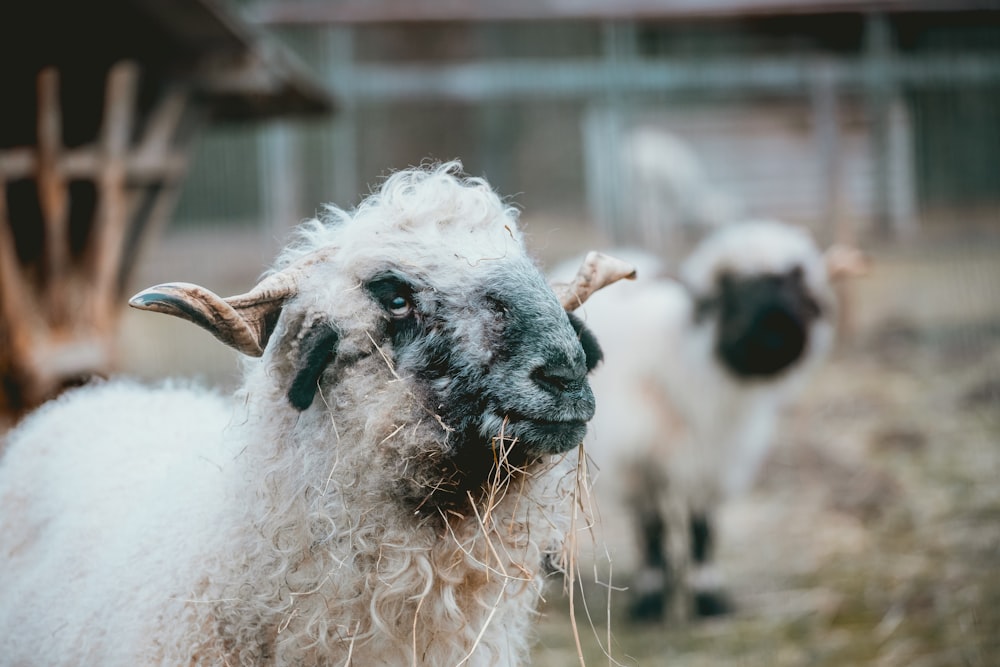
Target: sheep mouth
(544,436)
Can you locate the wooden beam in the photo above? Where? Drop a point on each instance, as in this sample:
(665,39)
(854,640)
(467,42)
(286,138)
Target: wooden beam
(362,12)
(53,195)
(12,288)
(162,125)
(16,319)
(84,163)
(111,217)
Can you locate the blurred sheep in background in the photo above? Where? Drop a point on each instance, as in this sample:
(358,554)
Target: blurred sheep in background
(697,369)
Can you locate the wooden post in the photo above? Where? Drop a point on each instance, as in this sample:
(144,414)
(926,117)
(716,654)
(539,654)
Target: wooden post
(111,217)
(52,194)
(14,327)
(338,47)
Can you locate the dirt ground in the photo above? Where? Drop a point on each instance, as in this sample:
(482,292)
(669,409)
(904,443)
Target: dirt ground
(873,534)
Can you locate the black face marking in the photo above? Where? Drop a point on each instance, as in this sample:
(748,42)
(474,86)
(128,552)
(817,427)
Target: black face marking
(763,322)
(317,349)
(591,348)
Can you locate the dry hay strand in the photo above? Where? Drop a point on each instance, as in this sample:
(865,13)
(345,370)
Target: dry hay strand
(584,506)
(508,478)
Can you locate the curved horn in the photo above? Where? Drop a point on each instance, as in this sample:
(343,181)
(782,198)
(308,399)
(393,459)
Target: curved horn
(244,321)
(597,271)
(206,309)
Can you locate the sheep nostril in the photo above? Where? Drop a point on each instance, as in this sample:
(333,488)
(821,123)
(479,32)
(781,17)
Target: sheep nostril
(557,378)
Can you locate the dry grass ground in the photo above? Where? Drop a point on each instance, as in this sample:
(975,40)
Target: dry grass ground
(873,536)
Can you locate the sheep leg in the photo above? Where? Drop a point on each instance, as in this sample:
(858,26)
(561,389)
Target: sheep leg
(653,577)
(676,545)
(707,595)
(660,589)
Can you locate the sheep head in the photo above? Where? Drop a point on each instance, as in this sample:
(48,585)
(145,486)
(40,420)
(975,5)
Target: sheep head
(764,287)
(424,298)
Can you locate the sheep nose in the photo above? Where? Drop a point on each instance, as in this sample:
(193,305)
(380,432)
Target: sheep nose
(559,377)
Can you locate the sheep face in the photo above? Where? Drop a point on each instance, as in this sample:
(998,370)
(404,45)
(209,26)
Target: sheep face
(499,357)
(762,322)
(763,287)
(503,359)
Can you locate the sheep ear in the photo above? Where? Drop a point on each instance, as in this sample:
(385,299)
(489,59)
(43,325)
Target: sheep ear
(845,261)
(597,271)
(317,348)
(591,348)
(243,322)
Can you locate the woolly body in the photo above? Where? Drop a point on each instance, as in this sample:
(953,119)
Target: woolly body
(325,516)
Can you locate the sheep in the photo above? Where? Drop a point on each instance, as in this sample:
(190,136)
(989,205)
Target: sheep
(383,488)
(698,368)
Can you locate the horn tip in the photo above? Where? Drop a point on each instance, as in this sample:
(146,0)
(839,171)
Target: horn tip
(153,298)
(144,300)
(619,268)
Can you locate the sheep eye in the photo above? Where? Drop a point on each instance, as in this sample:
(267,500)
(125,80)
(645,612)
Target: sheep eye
(399,306)
(394,295)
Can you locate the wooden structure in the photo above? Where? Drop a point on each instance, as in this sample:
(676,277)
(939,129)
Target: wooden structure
(102,104)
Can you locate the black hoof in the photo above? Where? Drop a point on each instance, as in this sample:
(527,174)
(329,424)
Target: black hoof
(647,608)
(712,603)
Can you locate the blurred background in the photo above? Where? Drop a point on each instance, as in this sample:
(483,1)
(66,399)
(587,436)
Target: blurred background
(146,141)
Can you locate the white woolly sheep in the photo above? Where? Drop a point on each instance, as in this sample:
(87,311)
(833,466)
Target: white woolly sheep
(697,370)
(381,491)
